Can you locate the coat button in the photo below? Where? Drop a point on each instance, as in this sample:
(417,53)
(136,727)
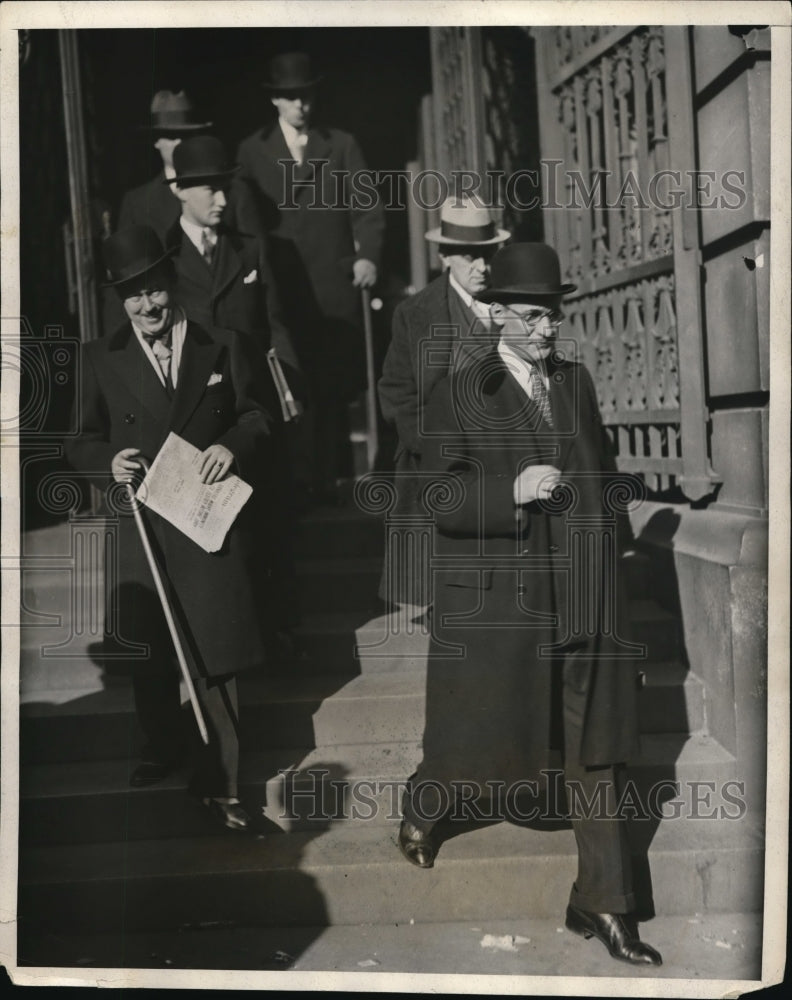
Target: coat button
(216,411)
(129,418)
(553,548)
(526,552)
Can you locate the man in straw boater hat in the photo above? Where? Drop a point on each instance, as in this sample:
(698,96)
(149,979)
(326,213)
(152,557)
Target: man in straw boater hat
(446,315)
(528,672)
(173,118)
(325,250)
(224,279)
(159,373)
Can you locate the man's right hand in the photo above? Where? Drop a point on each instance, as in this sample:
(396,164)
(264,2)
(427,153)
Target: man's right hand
(535,482)
(123,465)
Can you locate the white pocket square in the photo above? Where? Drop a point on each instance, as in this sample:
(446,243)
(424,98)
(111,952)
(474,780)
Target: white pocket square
(214,378)
(250,278)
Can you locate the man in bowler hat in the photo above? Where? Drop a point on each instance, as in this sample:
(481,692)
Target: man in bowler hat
(525,668)
(160,372)
(446,318)
(325,249)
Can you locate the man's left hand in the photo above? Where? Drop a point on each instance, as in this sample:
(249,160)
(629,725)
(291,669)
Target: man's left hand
(365,272)
(215,463)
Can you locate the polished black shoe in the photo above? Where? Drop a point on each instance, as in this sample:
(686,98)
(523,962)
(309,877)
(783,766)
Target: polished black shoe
(416,845)
(614,932)
(149,772)
(231,815)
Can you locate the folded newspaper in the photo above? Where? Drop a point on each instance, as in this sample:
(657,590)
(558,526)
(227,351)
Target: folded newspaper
(173,489)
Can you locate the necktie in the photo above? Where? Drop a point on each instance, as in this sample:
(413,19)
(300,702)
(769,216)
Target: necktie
(163,353)
(297,148)
(207,247)
(540,395)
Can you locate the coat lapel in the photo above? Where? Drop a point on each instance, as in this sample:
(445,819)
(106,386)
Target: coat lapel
(133,368)
(198,358)
(227,264)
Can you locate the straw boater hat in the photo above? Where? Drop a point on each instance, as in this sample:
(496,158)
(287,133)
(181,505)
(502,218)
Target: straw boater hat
(131,253)
(464,223)
(199,159)
(290,71)
(173,114)
(523,272)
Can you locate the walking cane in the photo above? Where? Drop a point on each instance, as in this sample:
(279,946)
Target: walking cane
(372,439)
(152,561)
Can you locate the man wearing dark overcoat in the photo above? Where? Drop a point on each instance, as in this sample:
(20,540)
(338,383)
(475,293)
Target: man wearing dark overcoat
(436,325)
(326,247)
(161,373)
(224,280)
(525,665)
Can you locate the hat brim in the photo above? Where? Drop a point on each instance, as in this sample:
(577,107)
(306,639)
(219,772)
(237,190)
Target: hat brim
(185,180)
(435,236)
(286,89)
(144,270)
(175,129)
(523,294)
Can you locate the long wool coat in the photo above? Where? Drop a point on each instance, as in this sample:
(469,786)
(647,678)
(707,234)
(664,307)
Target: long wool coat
(124,405)
(316,237)
(423,343)
(512,583)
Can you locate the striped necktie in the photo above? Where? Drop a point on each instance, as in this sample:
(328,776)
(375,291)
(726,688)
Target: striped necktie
(163,353)
(540,395)
(207,247)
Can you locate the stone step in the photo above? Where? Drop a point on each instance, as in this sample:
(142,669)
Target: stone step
(304,788)
(355,874)
(322,710)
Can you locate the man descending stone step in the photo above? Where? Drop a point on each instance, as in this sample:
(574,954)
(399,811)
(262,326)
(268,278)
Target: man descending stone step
(158,373)
(525,665)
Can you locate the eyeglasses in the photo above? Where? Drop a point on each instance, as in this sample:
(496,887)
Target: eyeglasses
(158,295)
(554,317)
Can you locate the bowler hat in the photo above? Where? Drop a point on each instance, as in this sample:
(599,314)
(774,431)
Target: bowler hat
(198,159)
(465,223)
(290,71)
(173,113)
(131,252)
(523,271)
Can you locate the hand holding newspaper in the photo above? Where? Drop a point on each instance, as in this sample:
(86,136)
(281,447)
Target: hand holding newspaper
(173,489)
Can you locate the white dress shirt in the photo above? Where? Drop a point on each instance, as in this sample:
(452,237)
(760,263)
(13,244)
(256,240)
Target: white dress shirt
(195,234)
(295,140)
(521,369)
(178,333)
(480,309)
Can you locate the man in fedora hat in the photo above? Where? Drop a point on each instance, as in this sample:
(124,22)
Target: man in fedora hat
(154,203)
(158,373)
(324,252)
(224,280)
(527,673)
(444,315)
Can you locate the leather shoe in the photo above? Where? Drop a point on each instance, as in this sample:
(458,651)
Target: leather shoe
(614,932)
(416,845)
(232,815)
(149,772)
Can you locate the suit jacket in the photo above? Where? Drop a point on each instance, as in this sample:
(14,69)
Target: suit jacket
(122,404)
(430,330)
(515,588)
(237,293)
(315,243)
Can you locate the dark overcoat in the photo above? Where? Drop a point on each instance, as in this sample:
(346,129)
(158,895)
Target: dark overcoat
(317,231)
(124,405)
(237,293)
(423,343)
(516,588)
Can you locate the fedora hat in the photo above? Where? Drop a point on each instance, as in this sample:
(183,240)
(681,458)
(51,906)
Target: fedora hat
(524,271)
(198,159)
(465,223)
(173,113)
(131,252)
(290,71)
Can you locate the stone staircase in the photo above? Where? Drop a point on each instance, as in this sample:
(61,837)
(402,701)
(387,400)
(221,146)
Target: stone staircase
(327,745)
